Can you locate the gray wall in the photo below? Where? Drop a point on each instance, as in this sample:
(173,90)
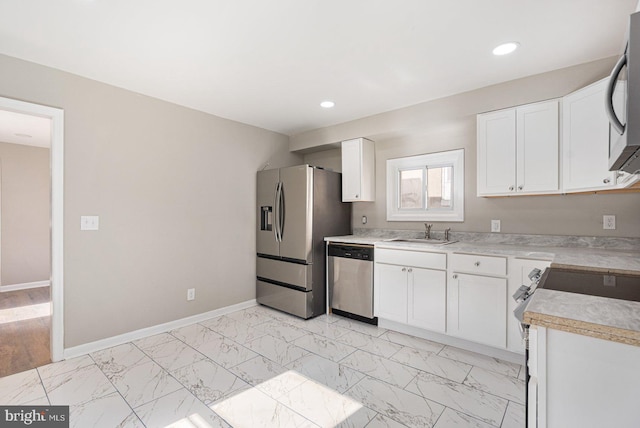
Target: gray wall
(25,190)
(450,123)
(175,192)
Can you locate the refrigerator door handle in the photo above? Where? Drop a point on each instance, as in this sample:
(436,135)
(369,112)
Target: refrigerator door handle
(281,211)
(276,214)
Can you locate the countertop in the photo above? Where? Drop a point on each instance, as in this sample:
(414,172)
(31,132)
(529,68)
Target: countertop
(604,318)
(601,317)
(594,259)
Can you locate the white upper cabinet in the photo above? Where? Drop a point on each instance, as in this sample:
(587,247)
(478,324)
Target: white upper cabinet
(358,170)
(518,150)
(585,140)
(497,152)
(537,147)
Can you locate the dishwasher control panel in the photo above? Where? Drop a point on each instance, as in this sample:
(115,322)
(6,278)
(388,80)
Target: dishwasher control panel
(360,252)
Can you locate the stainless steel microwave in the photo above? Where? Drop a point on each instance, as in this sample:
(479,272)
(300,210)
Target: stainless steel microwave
(623,105)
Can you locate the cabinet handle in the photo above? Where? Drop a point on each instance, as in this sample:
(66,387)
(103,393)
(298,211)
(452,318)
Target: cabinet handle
(606,181)
(404,269)
(476,264)
(511,188)
(356,197)
(520,187)
(409,270)
(455,276)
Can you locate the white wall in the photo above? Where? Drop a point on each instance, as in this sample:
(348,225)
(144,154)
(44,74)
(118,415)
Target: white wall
(175,192)
(25,213)
(450,123)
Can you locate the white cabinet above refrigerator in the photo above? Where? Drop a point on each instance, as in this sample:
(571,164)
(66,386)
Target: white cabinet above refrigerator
(358,170)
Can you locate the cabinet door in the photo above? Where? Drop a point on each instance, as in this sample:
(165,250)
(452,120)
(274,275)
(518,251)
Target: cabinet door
(391,292)
(358,170)
(351,170)
(585,140)
(478,309)
(537,148)
(427,298)
(497,152)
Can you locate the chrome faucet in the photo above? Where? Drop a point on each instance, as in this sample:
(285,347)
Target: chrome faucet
(446,233)
(427,232)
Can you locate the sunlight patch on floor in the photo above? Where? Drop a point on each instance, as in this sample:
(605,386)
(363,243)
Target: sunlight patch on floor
(305,401)
(191,421)
(305,398)
(22,313)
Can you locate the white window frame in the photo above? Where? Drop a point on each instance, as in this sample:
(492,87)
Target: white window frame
(454,158)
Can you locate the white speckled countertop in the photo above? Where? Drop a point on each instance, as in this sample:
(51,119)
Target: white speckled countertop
(609,319)
(597,259)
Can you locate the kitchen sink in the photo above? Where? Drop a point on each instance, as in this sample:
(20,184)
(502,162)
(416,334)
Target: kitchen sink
(430,241)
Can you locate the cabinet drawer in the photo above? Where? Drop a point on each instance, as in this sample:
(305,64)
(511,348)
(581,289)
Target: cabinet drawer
(422,259)
(488,265)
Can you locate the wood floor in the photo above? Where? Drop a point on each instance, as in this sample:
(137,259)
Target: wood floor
(24,344)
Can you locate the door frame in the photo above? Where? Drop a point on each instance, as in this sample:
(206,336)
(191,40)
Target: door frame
(57,213)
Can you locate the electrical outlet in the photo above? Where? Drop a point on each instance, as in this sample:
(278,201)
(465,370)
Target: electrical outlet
(608,222)
(89,222)
(191,294)
(364,219)
(495,225)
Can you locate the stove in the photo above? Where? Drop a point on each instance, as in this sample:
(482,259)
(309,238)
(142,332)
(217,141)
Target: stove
(613,286)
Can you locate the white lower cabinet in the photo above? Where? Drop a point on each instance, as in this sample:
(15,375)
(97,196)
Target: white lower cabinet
(427,299)
(581,381)
(464,295)
(391,290)
(410,294)
(478,309)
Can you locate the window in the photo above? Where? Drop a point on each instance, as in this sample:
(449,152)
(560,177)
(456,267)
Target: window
(426,187)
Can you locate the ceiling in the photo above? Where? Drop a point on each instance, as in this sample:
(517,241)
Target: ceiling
(18,128)
(271,63)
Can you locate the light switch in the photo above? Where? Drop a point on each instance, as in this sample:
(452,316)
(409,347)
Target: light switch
(89,222)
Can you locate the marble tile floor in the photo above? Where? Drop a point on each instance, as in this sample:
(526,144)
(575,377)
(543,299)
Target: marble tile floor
(262,368)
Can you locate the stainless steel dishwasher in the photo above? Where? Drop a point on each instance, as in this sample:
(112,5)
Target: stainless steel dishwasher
(351,281)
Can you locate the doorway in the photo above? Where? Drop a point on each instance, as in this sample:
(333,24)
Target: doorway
(31,295)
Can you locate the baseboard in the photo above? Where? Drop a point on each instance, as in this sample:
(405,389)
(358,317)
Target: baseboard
(24,286)
(109,342)
(503,354)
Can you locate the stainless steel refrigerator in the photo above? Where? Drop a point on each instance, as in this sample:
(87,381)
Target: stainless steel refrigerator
(297,208)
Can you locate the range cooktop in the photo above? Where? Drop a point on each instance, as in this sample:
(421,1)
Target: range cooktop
(623,287)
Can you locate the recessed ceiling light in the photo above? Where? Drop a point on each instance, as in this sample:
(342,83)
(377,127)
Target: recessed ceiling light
(506,48)
(23,135)
(327,104)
